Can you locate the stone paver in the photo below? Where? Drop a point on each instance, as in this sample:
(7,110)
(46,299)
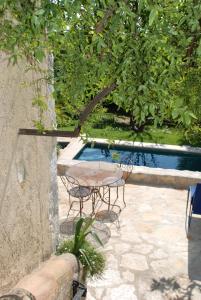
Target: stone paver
(149,257)
(134,261)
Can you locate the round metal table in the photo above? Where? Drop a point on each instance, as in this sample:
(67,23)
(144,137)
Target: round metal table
(95,173)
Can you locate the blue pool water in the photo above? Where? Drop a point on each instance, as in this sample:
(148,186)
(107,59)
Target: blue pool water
(142,157)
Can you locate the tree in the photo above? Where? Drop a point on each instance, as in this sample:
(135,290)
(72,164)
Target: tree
(135,53)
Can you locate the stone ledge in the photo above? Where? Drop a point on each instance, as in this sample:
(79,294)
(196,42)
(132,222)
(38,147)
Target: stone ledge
(140,175)
(149,176)
(18,294)
(52,280)
(184,148)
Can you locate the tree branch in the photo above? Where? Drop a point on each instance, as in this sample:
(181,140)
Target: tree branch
(91,105)
(194,43)
(104,21)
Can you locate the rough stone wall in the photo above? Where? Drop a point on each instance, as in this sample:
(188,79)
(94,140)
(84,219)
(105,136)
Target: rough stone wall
(28,190)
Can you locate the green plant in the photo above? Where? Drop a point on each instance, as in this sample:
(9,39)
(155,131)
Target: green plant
(193,135)
(58,148)
(144,56)
(93,261)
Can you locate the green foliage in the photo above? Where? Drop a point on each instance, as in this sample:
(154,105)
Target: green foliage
(193,135)
(58,148)
(39,125)
(151,134)
(148,48)
(96,259)
(92,261)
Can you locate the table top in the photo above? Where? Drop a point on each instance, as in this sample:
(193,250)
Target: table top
(95,173)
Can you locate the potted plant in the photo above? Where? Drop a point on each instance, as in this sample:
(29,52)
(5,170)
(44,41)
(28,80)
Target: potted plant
(92,260)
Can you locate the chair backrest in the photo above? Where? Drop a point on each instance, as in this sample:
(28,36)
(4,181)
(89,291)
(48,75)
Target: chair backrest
(196,201)
(126,164)
(69,182)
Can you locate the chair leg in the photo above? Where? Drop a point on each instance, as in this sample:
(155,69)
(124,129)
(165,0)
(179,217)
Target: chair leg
(71,205)
(190,217)
(93,203)
(117,197)
(109,191)
(124,196)
(188,214)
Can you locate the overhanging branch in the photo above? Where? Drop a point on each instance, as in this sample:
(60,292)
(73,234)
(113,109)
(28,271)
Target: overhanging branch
(91,105)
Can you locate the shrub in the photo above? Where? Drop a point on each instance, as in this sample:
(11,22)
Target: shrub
(93,261)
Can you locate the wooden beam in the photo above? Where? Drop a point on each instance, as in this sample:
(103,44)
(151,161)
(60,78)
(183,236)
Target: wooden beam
(53,133)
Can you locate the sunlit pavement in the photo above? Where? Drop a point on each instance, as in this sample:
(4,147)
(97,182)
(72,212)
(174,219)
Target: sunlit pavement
(149,256)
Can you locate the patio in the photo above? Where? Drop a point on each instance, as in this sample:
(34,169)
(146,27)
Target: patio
(149,257)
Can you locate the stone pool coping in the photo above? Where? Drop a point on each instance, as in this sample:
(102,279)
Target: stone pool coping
(140,175)
(185,148)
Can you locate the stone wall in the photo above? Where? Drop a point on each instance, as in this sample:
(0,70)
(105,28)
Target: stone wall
(28,189)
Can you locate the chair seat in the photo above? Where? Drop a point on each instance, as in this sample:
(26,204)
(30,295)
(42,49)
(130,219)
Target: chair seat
(195,194)
(120,182)
(80,192)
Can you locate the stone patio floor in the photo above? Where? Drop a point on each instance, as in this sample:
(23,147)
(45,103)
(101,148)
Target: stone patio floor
(149,256)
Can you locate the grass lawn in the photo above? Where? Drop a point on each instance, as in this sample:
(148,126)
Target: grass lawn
(151,135)
(170,136)
(113,127)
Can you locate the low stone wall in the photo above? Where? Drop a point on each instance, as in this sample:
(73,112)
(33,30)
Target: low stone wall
(166,178)
(149,176)
(52,281)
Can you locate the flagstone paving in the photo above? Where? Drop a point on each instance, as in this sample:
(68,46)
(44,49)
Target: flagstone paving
(149,256)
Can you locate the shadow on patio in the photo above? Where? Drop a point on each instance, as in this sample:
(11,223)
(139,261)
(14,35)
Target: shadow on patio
(170,286)
(149,257)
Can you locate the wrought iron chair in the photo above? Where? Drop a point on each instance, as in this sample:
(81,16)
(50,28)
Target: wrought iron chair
(77,191)
(127,166)
(193,205)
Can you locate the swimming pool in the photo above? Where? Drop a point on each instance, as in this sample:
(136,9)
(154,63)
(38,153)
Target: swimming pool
(153,158)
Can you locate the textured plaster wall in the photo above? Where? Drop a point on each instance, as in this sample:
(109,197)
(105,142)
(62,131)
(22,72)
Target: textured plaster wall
(28,190)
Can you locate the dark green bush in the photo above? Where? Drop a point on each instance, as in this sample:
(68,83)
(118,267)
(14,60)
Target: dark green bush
(92,260)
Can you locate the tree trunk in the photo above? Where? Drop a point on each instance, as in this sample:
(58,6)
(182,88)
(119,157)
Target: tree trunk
(91,105)
(134,126)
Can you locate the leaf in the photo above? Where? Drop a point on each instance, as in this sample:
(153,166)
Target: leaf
(192,115)
(88,222)
(39,126)
(77,236)
(100,13)
(199,49)
(40,12)
(187,118)
(153,15)
(39,54)
(140,5)
(96,237)
(152,109)
(83,252)
(40,103)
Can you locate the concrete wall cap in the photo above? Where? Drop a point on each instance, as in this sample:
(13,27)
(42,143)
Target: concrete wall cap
(46,282)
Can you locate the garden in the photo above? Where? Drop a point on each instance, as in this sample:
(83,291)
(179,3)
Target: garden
(117,70)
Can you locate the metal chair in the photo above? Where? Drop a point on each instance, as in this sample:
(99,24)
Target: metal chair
(127,166)
(193,205)
(77,191)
